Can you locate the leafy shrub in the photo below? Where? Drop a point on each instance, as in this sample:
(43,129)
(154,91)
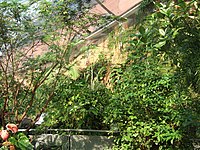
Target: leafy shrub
(155,100)
(155,95)
(82,101)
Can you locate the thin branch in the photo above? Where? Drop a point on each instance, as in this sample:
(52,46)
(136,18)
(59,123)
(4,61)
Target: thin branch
(34,90)
(42,110)
(47,101)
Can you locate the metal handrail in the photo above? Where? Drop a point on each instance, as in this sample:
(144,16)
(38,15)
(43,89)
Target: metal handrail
(73,130)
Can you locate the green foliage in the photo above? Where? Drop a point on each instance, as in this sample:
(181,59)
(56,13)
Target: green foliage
(29,29)
(155,100)
(82,101)
(21,141)
(16,31)
(4,148)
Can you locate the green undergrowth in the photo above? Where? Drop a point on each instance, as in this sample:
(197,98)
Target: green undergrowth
(153,98)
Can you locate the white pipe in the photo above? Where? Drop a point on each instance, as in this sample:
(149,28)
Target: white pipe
(113,23)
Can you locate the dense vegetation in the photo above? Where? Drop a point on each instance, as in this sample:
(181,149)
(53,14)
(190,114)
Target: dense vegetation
(155,103)
(36,42)
(152,99)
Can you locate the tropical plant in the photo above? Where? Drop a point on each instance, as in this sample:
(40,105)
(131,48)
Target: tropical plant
(155,99)
(35,50)
(14,139)
(82,101)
